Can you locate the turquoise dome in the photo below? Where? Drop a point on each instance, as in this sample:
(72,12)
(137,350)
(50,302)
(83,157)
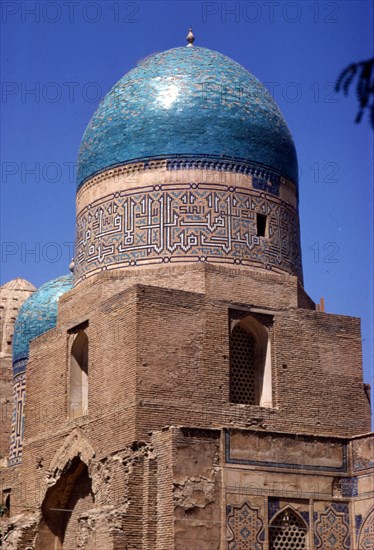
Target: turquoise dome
(37,315)
(187,102)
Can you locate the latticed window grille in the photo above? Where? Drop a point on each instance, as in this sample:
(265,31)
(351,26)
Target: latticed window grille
(242,367)
(288,532)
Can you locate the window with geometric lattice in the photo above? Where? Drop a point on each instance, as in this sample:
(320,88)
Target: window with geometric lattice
(243,367)
(288,530)
(250,361)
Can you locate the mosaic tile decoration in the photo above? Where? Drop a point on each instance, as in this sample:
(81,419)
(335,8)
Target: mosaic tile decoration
(305,516)
(273,507)
(18,419)
(332,530)
(37,315)
(187,101)
(244,528)
(186,223)
(358,523)
(341,507)
(366,540)
(349,486)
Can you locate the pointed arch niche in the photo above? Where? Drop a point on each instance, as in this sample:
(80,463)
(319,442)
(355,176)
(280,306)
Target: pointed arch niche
(250,359)
(288,529)
(64,503)
(78,376)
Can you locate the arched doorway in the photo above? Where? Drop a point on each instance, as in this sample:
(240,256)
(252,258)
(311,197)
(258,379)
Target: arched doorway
(63,504)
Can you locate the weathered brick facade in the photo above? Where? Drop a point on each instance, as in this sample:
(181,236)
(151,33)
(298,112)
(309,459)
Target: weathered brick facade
(163,459)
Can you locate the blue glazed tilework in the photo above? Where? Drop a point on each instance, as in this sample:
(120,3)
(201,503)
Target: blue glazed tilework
(37,315)
(305,516)
(349,486)
(18,419)
(273,507)
(332,528)
(358,522)
(341,507)
(245,528)
(187,101)
(262,178)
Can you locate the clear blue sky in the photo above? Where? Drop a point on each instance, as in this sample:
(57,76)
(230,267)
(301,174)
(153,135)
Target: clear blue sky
(59,58)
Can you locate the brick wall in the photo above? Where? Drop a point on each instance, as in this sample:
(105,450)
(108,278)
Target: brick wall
(159,357)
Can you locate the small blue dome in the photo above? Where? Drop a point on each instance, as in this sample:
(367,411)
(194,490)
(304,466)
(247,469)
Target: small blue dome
(37,315)
(187,102)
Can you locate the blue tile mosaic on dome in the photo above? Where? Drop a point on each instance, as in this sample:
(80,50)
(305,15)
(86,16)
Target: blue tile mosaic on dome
(187,101)
(37,315)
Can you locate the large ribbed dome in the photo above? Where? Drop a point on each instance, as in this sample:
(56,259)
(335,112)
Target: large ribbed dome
(187,102)
(37,315)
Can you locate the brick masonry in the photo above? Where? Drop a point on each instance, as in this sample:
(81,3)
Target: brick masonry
(158,358)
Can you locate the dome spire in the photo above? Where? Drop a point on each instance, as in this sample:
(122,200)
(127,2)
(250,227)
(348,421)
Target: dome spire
(190,38)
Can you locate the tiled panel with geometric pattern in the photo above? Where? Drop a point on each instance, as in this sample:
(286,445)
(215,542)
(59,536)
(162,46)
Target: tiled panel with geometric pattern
(245,528)
(332,530)
(186,223)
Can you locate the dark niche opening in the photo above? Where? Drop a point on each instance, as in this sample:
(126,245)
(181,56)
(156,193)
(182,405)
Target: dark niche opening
(261,225)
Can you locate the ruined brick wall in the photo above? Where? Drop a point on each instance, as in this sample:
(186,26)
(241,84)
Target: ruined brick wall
(207,489)
(163,448)
(80,501)
(197,489)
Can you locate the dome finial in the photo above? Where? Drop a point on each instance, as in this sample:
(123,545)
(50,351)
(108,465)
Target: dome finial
(190,38)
